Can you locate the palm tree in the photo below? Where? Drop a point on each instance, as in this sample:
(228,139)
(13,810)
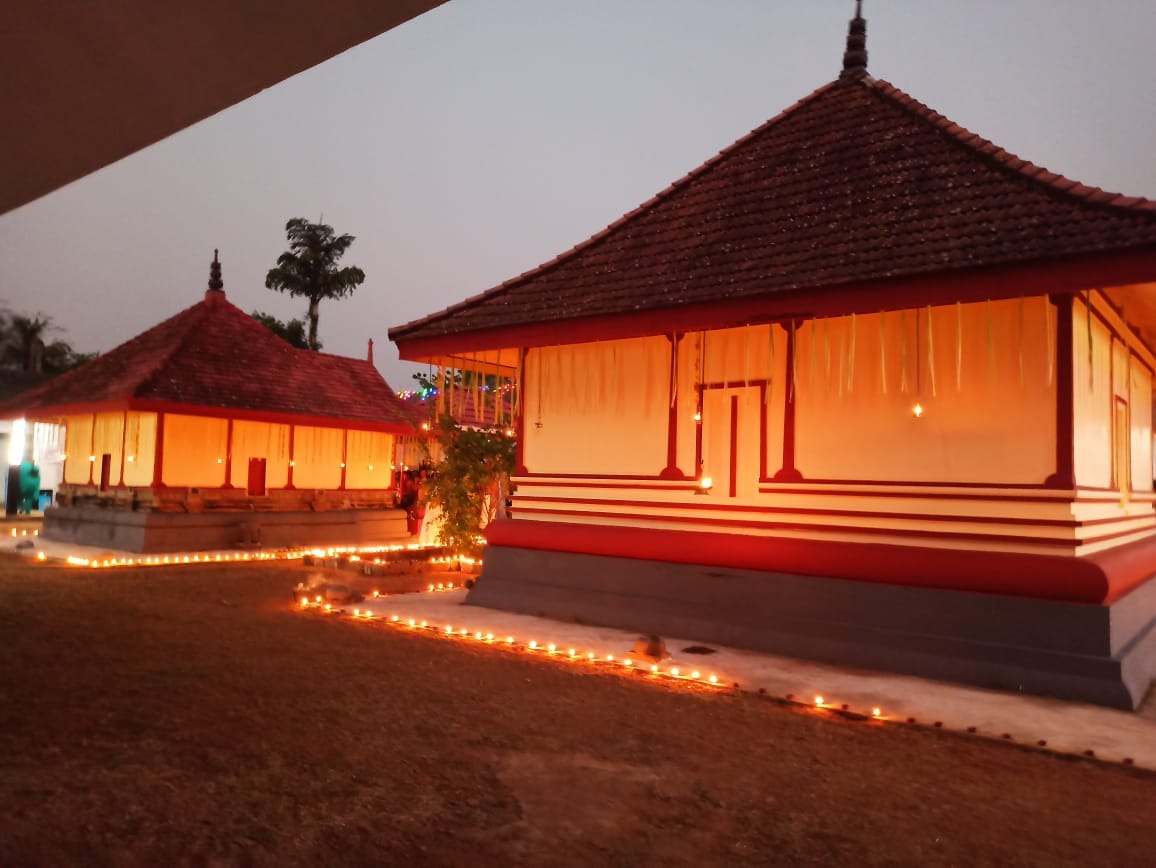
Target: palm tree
(309,268)
(24,341)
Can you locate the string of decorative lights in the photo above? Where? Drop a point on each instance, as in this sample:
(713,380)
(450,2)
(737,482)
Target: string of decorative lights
(353,554)
(550,650)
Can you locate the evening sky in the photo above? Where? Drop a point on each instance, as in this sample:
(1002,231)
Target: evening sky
(487,136)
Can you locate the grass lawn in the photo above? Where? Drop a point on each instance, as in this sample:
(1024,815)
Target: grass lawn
(188,715)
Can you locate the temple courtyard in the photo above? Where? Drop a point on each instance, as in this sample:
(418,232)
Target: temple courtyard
(195,713)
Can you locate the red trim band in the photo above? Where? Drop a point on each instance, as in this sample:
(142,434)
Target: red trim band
(1100,578)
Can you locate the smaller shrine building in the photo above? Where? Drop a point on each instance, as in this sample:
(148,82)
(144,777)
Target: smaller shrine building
(209,431)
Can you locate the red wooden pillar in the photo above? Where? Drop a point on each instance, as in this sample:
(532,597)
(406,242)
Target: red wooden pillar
(671,470)
(788,472)
(229,455)
(289,478)
(159,453)
(734,469)
(1065,475)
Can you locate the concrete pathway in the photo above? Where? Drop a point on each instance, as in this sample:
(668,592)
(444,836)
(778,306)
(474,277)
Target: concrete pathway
(1052,724)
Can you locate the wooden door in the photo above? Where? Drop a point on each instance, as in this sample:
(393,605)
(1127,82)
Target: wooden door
(731,440)
(256,485)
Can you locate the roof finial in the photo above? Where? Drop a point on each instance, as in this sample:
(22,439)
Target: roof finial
(215,282)
(855,57)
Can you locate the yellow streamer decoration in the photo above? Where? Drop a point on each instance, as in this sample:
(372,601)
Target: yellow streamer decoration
(770,362)
(851,359)
(519,373)
(1020,328)
(497,388)
(902,351)
(702,358)
(747,356)
(811,357)
(930,353)
(839,378)
(1091,358)
(827,349)
(990,338)
(883,349)
(614,402)
(958,346)
(794,361)
(541,375)
(1050,339)
(479,407)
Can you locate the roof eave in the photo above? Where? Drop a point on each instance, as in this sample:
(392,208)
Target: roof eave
(51,411)
(1041,277)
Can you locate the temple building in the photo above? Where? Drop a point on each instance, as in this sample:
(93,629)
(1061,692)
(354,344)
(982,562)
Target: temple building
(209,431)
(863,388)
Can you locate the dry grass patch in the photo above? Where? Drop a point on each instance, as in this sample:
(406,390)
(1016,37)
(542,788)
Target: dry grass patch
(188,715)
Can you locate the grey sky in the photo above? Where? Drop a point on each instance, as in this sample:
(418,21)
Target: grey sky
(490,135)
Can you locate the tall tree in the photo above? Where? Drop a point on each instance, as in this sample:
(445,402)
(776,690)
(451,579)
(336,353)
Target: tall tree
(308,269)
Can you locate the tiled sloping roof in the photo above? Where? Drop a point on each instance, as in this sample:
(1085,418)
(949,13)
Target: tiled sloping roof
(213,354)
(856,182)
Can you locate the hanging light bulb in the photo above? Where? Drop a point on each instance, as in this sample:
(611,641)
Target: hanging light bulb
(917,410)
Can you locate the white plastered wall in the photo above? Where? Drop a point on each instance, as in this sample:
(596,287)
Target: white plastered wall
(598,408)
(195,449)
(983,374)
(317,456)
(268,440)
(368,455)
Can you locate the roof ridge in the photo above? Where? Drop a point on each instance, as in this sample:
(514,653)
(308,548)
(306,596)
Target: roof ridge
(1005,160)
(663,194)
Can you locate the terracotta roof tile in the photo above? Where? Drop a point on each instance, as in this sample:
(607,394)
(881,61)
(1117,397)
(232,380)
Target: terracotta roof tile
(213,354)
(856,182)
